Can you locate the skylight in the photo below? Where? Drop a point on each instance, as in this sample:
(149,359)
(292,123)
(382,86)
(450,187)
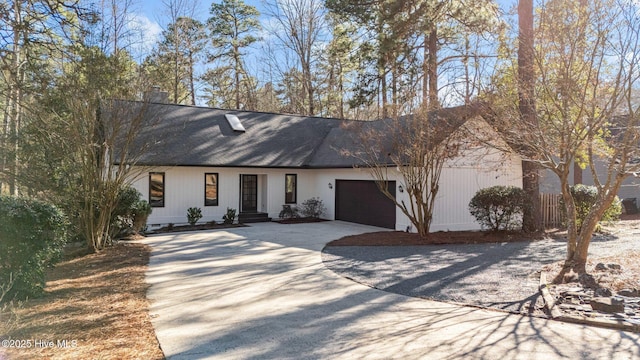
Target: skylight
(234,122)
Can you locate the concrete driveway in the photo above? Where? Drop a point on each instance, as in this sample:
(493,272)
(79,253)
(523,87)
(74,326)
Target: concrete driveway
(262,292)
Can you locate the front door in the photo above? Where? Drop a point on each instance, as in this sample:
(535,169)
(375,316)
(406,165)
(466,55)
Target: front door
(249,193)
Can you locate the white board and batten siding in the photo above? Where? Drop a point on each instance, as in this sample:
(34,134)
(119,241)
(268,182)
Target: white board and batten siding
(457,186)
(184,188)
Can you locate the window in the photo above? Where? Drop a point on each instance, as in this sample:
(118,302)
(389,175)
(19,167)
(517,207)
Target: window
(290,188)
(156,189)
(211,189)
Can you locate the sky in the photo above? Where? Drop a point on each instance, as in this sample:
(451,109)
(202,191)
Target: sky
(150,15)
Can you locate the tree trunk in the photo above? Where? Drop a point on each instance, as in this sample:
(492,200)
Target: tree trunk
(532,219)
(14,128)
(433,69)
(425,72)
(589,225)
(309,82)
(570,207)
(579,239)
(176,79)
(383,85)
(16,77)
(526,82)
(467,78)
(577,173)
(192,87)
(394,90)
(4,143)
(341,94)
(236,59)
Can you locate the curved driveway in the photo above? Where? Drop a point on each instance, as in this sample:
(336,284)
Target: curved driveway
(262,292)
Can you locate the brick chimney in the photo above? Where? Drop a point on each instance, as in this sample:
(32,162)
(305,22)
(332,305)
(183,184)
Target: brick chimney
(155,95)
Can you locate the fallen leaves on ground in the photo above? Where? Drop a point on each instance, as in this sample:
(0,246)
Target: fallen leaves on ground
(95,306)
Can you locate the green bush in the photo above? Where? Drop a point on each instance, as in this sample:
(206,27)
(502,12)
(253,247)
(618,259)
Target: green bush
(229,217)
(193,215)
(313,208)
(130,214)
(499,207)
(585,197)
(141,210)
(288,212)
(32,235)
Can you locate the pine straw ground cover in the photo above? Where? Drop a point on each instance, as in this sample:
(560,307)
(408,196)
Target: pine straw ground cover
(95,307)
(628,276)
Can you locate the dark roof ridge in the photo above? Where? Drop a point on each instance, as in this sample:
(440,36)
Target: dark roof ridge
(245,111)
(309,159)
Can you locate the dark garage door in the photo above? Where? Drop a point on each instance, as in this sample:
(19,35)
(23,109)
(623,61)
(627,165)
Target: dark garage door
(362,202)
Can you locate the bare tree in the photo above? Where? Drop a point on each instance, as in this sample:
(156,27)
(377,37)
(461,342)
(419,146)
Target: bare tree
(83,151)
(300,27)
(587,68)
(415,148)
(115,27)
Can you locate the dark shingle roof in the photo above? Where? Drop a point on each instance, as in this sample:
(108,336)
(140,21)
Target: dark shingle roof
(201,136)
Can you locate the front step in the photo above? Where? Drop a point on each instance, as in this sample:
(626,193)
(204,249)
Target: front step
(253,217)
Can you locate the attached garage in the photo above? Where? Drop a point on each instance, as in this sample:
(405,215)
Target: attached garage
(361,201)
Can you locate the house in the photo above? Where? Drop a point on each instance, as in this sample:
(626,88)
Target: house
(630,187)
(257,162)
(549,182)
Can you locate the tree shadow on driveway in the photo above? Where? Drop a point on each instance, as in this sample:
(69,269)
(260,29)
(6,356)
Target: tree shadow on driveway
(249,294)
(503,276)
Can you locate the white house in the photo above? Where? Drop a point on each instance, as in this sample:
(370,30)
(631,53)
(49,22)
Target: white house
(256,162)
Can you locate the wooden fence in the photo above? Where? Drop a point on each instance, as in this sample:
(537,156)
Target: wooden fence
(551,211)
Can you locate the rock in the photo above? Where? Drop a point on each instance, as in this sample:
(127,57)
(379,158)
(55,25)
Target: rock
(633,321)
(602,292)
(607,305)
(629,292)
(570,277)
(588,281)
(577,294)
(575,301)
(568,307)
(601,267)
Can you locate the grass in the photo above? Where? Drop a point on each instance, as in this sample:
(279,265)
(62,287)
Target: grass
(96,303)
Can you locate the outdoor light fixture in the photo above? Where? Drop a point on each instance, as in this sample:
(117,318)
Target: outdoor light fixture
(401,189)
(330,186)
